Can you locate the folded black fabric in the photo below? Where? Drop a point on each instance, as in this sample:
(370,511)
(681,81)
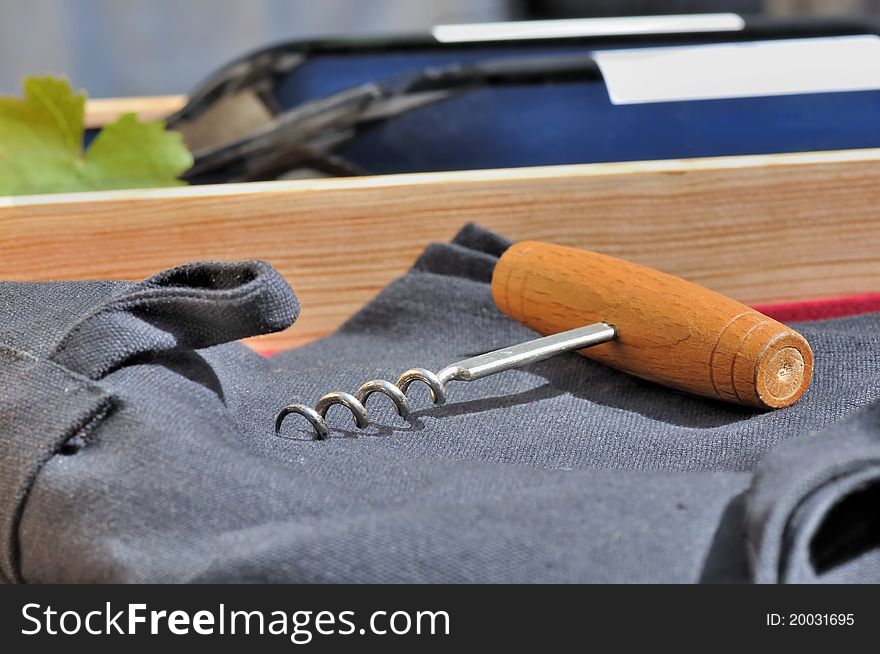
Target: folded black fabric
(138,445)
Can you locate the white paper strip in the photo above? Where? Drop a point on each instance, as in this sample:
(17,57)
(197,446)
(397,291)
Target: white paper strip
(548,29)
(734,70)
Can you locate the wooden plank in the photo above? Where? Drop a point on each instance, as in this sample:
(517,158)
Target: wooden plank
(101,111)
(758,228)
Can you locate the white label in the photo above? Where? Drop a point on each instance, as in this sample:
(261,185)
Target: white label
(586,27)
(737,70)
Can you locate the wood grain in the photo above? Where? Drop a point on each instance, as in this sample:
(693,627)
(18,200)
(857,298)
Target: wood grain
(101,111)
(759,229)
(669,331)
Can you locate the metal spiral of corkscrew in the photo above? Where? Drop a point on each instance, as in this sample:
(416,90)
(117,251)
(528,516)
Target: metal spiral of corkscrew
(466,370)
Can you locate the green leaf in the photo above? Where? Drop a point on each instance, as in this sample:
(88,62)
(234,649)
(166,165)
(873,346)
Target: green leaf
(41,146)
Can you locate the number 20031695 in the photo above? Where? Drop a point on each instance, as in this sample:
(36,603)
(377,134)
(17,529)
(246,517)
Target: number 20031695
(810,619)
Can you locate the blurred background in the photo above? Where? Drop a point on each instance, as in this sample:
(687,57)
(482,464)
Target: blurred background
(158,47)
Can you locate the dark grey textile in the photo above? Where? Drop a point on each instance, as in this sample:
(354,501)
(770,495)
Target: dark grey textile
(137,445)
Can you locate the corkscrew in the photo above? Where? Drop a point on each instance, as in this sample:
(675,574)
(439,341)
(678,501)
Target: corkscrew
(665,330)
(467,370)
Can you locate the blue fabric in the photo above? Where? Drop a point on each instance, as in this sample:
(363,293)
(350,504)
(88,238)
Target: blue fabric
(573,123)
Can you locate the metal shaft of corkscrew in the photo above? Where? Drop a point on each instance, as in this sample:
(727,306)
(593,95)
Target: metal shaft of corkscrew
(469,369)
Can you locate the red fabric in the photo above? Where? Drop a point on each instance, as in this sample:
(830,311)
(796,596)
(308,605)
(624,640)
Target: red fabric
(837,307)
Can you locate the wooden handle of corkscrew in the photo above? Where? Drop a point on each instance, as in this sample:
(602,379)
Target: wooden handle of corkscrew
(670,331)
